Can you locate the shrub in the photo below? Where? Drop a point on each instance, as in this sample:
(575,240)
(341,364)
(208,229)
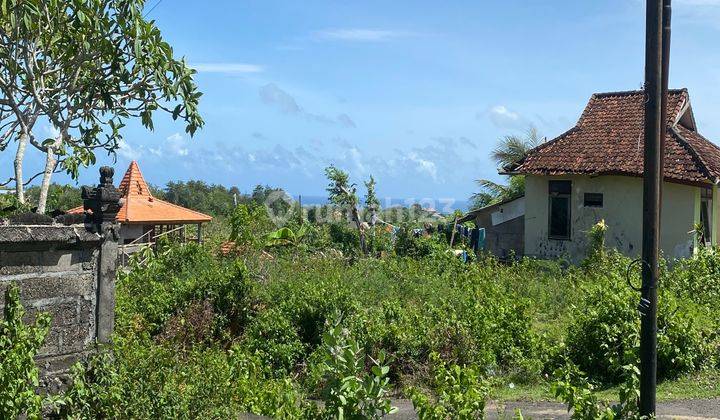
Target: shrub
(406,244)
(349,391)
(604,334)
(344,238)
(19,344)
(151,293)
(248,224)
(460,393)
(578,393)
(145,380)
(274,340)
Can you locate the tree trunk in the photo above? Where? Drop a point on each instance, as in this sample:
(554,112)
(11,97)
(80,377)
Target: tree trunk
(361,232)
(50,161)
(19,156)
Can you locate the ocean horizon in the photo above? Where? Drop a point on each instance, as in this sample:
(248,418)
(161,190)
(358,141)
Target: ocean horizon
(442,205)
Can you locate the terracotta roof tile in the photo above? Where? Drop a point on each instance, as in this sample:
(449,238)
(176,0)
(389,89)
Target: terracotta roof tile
(608,139)
(141,207)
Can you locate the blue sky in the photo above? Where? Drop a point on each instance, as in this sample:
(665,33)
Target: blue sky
(415,93)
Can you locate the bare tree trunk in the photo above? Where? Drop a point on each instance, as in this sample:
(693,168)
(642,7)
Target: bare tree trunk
(50,161)
(361,231)
(19,156)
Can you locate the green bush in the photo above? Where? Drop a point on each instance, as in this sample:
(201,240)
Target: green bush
(579,394)
(150,293)
(349,391)
(604,334)
(406,244)
(19,344)
(459,393)
(274,340)
(146,380)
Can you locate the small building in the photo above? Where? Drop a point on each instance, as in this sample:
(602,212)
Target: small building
(143,217)
(504,226)
(594,171)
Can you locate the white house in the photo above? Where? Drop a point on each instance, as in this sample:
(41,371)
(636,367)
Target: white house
(594,171)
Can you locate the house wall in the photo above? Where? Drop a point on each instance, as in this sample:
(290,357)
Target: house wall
(504,226)
(131,232)
(622,212)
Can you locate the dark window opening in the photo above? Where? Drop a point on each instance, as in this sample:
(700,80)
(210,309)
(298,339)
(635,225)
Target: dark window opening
(706,216)
(593,200)
(559,223)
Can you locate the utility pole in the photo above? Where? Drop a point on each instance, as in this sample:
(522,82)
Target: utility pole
(657,49)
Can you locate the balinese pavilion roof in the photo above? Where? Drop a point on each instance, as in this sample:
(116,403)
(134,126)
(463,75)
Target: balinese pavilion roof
(140,207)
(608,140)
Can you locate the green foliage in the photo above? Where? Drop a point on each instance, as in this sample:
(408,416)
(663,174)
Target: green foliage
(573,389)
(286,237)
(596,236)
(9,205)
(461,393)
(146,380)
(199,335)
(218,200)
(698,278)
(372,204)
(604,332)
(87,67)
(340,191)
(273,338)
(150,294)
(19,344)
(349,391)
(407,244)
(248,225)
(60,197)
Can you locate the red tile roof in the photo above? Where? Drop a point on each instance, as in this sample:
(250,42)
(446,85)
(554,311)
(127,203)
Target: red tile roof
(608,140)
(140,207)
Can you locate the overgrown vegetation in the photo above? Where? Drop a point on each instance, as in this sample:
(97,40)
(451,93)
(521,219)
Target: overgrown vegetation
(295,320)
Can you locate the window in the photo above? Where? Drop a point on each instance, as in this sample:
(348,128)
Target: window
(593,200)
(559,220)
(706,215)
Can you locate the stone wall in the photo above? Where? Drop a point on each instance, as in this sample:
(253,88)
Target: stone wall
(68,271)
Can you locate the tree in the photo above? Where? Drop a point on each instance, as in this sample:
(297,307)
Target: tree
(509,150)
(344,194)
(372,204)
(59,197)
(84,67)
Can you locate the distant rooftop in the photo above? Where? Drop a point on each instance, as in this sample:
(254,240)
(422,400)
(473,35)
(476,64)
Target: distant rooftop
(140,207)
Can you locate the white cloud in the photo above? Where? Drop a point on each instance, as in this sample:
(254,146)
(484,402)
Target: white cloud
(227,68)
(502,117)
(358,34)
(423,165)
(127,151)
(177,144)
(272,95)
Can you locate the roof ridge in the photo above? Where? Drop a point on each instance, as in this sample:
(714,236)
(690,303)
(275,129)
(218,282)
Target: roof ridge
(541,146)
(694,153)
(635,92)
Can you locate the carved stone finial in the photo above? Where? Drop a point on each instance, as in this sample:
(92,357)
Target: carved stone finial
(103,201)
(106,176)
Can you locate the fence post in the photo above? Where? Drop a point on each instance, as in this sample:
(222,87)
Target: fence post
(104,203)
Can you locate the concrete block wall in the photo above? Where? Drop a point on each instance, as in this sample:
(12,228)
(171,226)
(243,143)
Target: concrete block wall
(56,268)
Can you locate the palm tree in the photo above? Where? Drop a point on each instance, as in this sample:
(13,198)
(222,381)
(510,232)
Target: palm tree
(508,151)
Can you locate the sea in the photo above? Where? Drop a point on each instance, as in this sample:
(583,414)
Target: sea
(441,205)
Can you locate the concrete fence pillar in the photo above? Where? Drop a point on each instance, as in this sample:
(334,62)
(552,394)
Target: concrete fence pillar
(102,203)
